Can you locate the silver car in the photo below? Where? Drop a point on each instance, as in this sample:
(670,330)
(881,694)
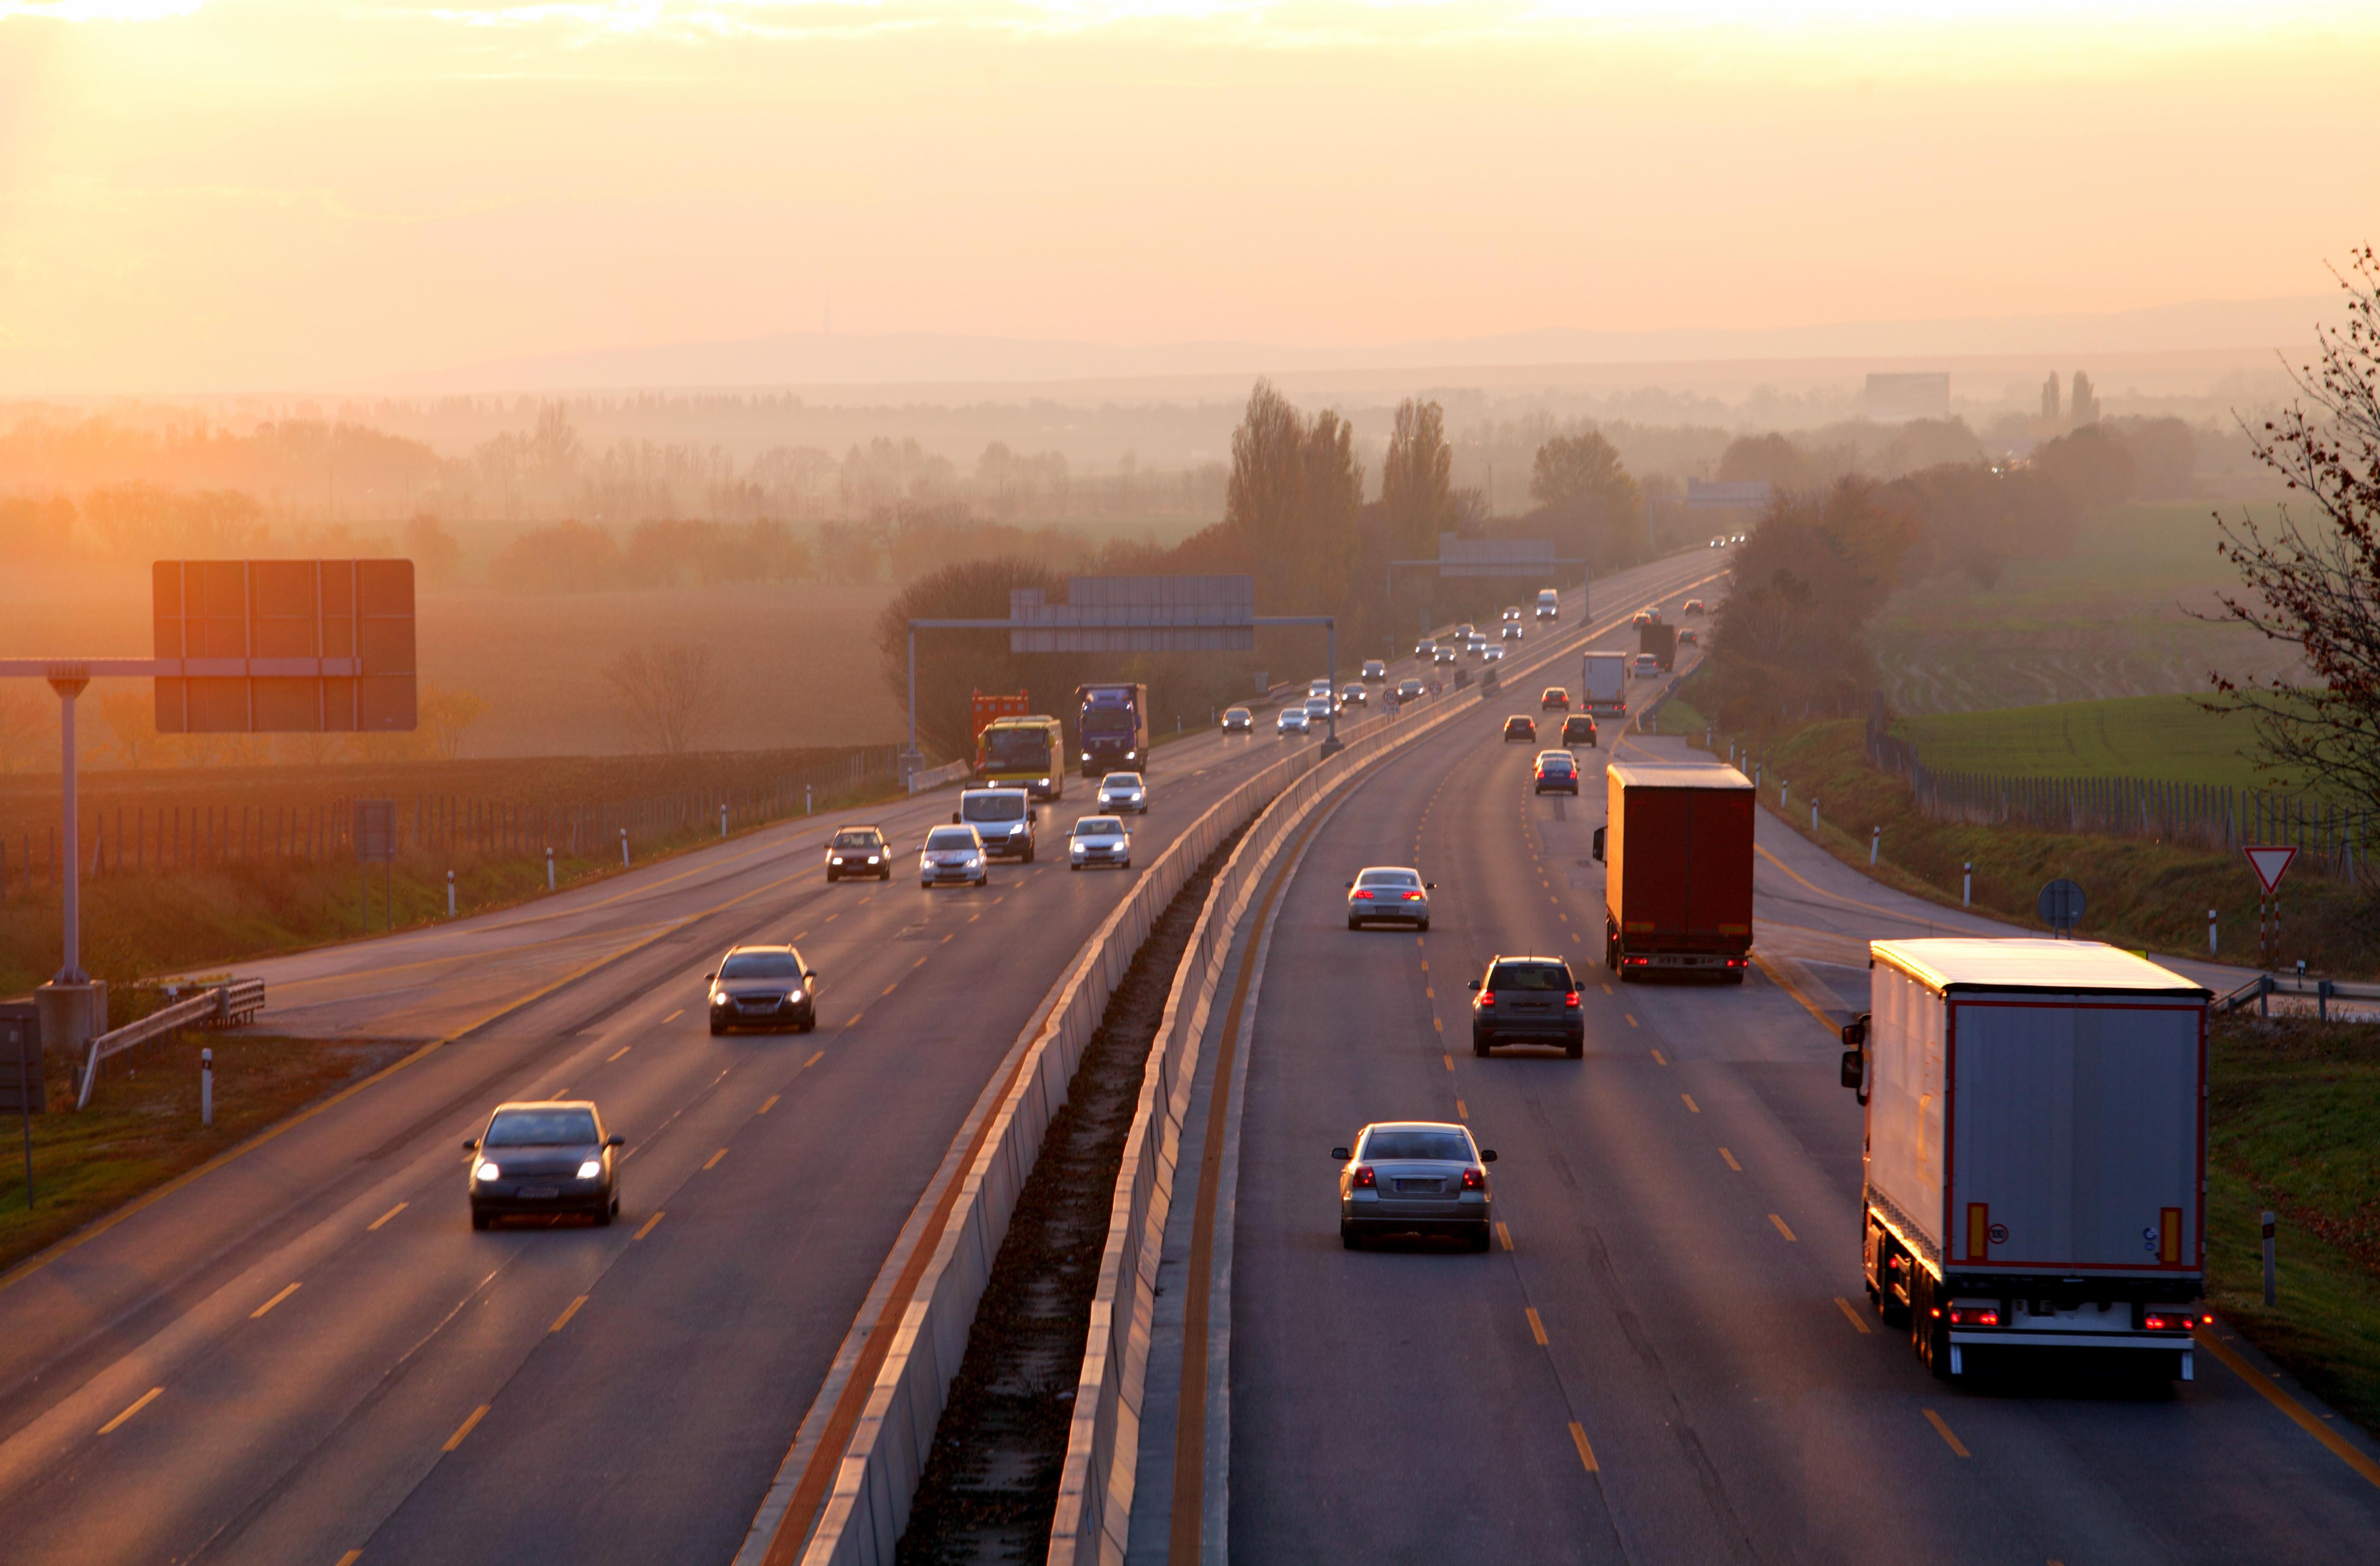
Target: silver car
(1124,791)
(1318,708)
(1414,1177)
(954,856)
(1099,840)
(1389,895)
(1292,721)
(1443,654)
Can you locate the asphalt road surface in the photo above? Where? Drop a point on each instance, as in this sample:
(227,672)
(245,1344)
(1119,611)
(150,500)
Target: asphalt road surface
(1669,1356)
(305,1354)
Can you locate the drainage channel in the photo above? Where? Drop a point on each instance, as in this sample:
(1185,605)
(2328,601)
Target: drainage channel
(992,1480)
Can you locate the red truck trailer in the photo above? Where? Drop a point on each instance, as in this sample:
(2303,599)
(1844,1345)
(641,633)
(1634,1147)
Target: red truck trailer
(2036,1153)
(1677,879)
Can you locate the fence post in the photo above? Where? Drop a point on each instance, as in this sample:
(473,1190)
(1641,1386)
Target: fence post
(2268,1257)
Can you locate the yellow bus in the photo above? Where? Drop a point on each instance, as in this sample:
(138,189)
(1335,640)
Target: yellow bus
(1027,753)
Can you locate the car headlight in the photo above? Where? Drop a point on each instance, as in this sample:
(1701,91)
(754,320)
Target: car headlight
(1086,755)
(872,858)
(487,1172)
(837,859)
(793,997)
(591,1170)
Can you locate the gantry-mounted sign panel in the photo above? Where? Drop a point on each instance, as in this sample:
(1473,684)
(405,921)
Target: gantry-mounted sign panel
(1138,615)
(285,646)
(1494,557)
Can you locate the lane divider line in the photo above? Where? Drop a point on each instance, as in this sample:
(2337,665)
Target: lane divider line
(712,1162)
(1536,1326)
(275,1300)
(1692,1107)
(1944,1431)
(1730,1161)
(665,1022)
(2303,1416)
(1631,1016)
(567,1312)
(143,1401)
(1777,977)
(618,1052)
(1657,1059)
(383,1218)
(1852,1316)
(1461,1109)
(468,1424)
(1585,1453)
(648,1226)
(1781,1229)
(814,1060)
(1504,1234)
(770,1103)
(351,1557)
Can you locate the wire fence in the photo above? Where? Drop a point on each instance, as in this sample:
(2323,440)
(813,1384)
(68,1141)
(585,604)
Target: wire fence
(454,827)
(2330,838)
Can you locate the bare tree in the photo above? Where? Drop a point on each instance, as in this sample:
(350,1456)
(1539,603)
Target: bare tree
(2318,585)
(667,695)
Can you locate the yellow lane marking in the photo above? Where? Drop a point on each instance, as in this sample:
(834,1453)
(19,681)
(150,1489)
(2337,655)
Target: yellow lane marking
(617,1053)
(945,942)
(819,1056)
(567,1312)
(712,1162)
(1578,1440)
(383,1218)
(1438,1024)
(1450,1061)
(855,1019)
(1944,1430)
(921,962)
(1420,941)
(671,1018)
(1504,1234)
(648,1226)
(972,917)
(143,1401)
(275,1300)
(1780,1226)
(351,1557)
(1631,1016)
(831,918)
(1657,1059)
(1730,1161)
(1427,993)
(1565,918)
(1607,989)
(1692,1107)
(771,1102)
(1461,1109)
(2297,1411)
(1834,896)
(889,988)
(457,1439)
(1537,1328)
(1425,964)
(1777,977)
(1850,1315)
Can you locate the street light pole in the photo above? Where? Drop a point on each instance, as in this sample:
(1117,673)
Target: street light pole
(69,682)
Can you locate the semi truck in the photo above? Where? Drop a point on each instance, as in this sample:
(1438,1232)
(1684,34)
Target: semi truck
(1661,641)
(1603,682)
(1676,847)
(2036,1153)
(1113,726)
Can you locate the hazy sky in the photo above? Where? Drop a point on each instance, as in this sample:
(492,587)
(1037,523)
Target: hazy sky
(285,193)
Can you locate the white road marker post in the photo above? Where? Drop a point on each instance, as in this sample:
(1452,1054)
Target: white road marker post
(2210,933)
(623,847)
(1967,885)
(2269,1290)
(206,1088)
(1875,841)
(549,869)
(723,820)
(1813,817)
(450,894)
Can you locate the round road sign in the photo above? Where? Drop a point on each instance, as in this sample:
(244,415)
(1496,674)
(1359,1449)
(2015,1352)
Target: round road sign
(2061,905)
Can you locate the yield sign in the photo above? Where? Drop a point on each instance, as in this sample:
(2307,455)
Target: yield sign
(2270,865)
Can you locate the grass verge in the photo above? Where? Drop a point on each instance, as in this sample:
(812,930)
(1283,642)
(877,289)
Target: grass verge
(142,1127)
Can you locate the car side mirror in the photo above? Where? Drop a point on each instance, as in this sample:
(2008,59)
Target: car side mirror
(1351,886)
(1855,1031)
(711,978)
(1032,815)
(471,1144)
(1475,984)
(1430,886)
(811,976)
(1598,842)
(1341,1154)
(616,1141)
(1487,1154)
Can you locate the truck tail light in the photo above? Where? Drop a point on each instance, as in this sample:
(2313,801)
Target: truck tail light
(1365,1179)
(2168,1321)
(1474,1179)
(1973,1316)
(1635,962)
(1486,997)
(1571,998)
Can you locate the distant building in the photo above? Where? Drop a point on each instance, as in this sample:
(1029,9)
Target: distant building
(1898,398)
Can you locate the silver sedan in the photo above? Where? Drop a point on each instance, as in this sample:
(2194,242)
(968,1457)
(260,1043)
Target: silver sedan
(1389,895)
(1124,791)
(1414,1177)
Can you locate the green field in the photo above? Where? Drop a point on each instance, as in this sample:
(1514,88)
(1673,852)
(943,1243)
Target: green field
(2167,737)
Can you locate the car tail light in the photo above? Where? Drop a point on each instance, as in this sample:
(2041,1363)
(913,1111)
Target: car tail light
(1975,1315)
(1571,998)
(2169,1321)
(1413,896)
(1486,997)
(1365,1179)
(1364,895)
(1474,1179)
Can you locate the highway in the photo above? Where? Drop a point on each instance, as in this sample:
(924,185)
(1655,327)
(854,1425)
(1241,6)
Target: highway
(306,1354)
(1669,1356)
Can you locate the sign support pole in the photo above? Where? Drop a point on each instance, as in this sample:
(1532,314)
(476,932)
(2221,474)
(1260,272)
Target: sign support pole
(69,682)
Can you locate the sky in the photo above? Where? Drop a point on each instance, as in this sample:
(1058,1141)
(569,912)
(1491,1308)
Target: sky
(224,195)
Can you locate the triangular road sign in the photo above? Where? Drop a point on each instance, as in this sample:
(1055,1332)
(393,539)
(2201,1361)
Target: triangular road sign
(2270,865)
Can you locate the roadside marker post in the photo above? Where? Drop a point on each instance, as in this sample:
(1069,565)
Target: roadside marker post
(450,894)
(624,849)
(549,869)
(1875,841)
(1967,885)
(2210,933)
(723,820)
(206,1088)
(2269,1289)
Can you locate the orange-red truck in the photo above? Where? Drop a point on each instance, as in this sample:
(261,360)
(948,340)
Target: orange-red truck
(991,708)
(1676,847)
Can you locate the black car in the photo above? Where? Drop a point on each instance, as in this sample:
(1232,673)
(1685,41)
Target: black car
(1557,772)
(1578,728)
(1520,728)
(1527,1001)
(543,1157)
(764,987)
(859,851)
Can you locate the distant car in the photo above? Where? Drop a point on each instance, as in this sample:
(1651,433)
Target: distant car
(544,1157)
(1648,666)
(1239,720)
(1513,632)
(1694,606)
(1463,632)
(1578,728)
(1442,655)
(1003,816)
(762,987)
(954,854)
(1318,688)
(1511,611)
(1719,543)
(1425,648)
(1642,617)
(1414,1177)
(1124,791)
(1375,671)
(1687,637)
(1554,697)
(1737,539)
(1292,721)
(1557,772)
(859,851)
(1355,696)
(1388,894)
(1521,726)
(1491,655)
(1099,840)
(1411,690)
(1527,1001)
(1318,708)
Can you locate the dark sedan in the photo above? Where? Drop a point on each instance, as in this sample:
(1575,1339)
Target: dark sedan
(764,987)
(1527,1001)
(859,851)
(544,1158)
(1520,728)
(1578,728)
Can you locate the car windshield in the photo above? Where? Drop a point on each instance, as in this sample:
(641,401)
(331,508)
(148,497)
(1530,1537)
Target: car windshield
(1388,878)
(1098,826)
(1318,704)
(1530,976)
(541,1128)
(1517,725)
(950,837)
(994,807)
(1121,780)
(1579,726)
(1016,748)
(761,965)
(854,840)
(1235,713)
(1447,1146)
(1557,762)
(1115,721)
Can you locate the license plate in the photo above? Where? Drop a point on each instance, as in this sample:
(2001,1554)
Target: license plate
(528,1192)
(1425,1185)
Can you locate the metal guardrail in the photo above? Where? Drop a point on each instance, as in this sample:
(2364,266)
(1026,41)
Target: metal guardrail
(221,1005)
(938,777)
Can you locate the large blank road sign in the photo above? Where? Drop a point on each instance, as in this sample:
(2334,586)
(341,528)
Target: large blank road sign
(285,646)
(1495,557)
(1138,615)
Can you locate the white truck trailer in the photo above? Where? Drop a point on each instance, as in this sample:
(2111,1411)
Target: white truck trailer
(1603,683)
(2036,1153)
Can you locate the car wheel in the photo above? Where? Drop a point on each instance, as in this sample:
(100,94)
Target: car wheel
(604,1214)
(1479,1238)
(1479,1045)
(1575,1049)
(1423,927)
(1354,924)
(478,1219)
(832,877)
(1350,1237)
(1028,852)
(1073,866)
(716,1029)
(885,874)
